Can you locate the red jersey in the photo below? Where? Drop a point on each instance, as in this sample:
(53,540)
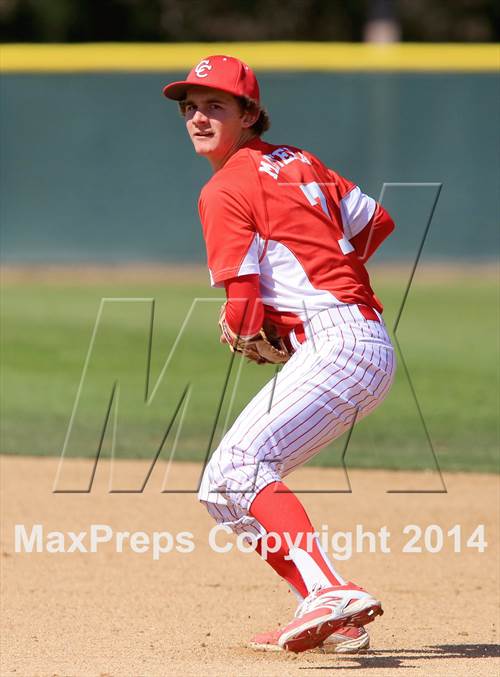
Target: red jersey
(279,212)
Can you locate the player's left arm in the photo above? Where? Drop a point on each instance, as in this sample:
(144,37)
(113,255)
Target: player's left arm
(244,309)
(243,325)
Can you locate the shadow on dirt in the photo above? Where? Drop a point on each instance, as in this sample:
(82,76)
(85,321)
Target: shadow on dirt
(401,658)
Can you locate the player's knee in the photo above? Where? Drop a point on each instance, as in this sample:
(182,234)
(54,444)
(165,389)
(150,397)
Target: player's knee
(212,509)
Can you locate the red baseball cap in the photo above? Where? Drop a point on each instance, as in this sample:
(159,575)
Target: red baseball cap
(221,72)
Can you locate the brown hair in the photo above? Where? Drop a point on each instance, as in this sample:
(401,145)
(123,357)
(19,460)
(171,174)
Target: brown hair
(261,125)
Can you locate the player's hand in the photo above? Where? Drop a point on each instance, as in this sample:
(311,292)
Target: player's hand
(259,348)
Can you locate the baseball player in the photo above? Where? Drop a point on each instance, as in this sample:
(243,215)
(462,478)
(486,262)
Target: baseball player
(287,238)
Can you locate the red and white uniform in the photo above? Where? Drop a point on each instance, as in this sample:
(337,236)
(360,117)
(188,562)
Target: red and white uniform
(288,238)
(278,213)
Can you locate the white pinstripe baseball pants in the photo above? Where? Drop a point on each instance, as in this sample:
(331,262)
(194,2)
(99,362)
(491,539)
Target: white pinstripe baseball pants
(342,371)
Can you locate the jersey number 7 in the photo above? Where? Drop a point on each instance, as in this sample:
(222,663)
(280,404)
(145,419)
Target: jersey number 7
(314,194)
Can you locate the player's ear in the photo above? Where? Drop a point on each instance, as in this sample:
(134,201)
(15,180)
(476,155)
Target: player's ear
(249,112)
(249,118)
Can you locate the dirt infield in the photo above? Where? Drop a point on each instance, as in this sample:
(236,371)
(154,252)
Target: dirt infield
(149,273)
(191,613)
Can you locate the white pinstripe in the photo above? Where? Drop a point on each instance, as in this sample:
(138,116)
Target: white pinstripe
(343,370)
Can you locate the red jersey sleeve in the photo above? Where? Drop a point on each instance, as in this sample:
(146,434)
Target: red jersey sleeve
(369,239)
(231,239)
(244,310)
(366,223)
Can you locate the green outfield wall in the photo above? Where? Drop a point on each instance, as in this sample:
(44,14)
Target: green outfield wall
(95,164)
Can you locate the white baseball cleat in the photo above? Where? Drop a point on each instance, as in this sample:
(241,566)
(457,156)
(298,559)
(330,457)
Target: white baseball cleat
(346,640)
(324,611)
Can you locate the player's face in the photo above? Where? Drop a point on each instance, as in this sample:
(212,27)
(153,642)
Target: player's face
(215,122)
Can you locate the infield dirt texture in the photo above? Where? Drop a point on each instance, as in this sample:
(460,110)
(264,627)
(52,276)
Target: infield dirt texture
(124,614)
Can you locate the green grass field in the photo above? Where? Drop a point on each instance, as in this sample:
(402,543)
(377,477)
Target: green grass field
(448,332)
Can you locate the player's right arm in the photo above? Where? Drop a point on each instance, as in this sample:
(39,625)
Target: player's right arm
(371,236)
(365,222)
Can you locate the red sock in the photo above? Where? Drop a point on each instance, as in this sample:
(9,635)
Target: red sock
(284,568)
(280,511)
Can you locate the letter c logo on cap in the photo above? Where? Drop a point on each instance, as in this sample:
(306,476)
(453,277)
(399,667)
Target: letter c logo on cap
(203,66)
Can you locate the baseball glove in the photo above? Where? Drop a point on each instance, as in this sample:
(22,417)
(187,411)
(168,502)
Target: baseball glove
(265,347)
